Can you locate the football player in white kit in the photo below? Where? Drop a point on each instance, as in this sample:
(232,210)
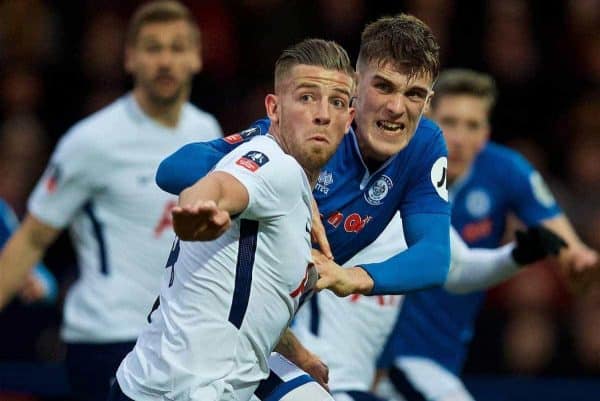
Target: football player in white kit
(100,184)
(225,302)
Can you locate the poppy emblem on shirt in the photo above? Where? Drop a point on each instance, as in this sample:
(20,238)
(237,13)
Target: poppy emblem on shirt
(252,160)
(53,175)
(379,190)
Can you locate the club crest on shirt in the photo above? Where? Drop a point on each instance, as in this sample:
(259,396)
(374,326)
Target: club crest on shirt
(325,179)
(379,190)
(242,135)
(478,203)
(253,160)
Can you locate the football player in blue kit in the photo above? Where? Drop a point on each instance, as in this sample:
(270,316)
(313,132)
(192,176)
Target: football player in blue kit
(393,160)
(487,182)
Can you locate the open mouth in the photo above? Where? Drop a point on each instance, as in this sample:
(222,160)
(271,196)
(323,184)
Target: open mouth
(390,126)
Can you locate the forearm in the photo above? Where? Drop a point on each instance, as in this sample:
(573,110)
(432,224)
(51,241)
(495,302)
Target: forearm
(23,251)
(478,269)
(424,264)
(222,188)
(561,225)
(291,348)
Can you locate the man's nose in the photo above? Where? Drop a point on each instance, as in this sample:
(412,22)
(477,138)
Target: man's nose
(322,116)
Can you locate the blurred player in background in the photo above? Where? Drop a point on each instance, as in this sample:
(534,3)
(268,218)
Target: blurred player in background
(225,302)
(99,183)
(488,181)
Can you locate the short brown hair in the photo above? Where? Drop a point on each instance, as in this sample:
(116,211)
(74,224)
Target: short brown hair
(317,52)
(403,40)
(160,11)
(465,82)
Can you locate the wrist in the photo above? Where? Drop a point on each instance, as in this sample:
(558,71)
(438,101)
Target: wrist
(362,282)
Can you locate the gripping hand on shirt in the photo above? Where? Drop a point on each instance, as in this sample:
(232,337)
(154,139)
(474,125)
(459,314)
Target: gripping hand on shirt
(342,281)
(536,243)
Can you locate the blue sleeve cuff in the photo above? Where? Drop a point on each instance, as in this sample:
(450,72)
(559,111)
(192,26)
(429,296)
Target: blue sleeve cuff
(424,264)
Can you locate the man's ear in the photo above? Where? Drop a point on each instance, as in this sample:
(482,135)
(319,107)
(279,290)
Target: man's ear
(272,107)
(352,112)
(427,108)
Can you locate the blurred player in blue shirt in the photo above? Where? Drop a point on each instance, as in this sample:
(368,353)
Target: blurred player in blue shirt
(487,182)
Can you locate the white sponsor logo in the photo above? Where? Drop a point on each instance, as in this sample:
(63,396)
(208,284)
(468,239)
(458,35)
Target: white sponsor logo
(439,177)
(324,181)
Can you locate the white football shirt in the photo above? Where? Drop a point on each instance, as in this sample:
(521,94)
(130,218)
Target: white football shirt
(224,303)
(100,183)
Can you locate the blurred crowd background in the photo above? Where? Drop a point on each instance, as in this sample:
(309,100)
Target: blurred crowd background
(61,60)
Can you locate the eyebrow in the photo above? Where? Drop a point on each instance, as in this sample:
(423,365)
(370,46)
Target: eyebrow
(382,78)
(306,85)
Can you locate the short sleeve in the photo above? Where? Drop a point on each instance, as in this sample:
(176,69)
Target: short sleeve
(531,199)
(70,179)
(427,190)
(274,181)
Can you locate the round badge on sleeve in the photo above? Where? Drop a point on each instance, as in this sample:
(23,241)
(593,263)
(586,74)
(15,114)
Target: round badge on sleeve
(439,177)
(540,190)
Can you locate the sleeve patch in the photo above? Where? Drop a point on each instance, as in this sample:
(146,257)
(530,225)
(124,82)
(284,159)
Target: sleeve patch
(53,174)
(253,160)
(540,190)
(439,173)
(242,135)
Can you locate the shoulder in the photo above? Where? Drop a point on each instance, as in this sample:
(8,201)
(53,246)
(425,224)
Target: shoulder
(99,126)
(494,155)
(199,119)
(428,137)
(94,134)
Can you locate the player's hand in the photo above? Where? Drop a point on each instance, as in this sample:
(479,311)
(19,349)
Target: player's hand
(581,268)
(33,290)
(536,243)
(315,367)
(202,221)
(341,281)
(318,235)
(40,285)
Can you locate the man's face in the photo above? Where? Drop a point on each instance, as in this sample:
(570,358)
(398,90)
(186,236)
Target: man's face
(464,121)
(163,60)
(388,109)
(311,113)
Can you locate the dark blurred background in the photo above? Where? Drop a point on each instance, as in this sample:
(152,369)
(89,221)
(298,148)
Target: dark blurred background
(62,60)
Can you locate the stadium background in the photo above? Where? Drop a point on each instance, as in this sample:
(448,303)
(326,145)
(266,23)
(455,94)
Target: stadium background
(61,60)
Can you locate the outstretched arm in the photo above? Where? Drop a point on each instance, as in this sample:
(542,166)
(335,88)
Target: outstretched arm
(477,269)
(424,264)
(204,209)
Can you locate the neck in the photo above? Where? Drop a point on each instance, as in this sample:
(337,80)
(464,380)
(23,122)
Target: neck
(312,176)
(166,114)
(371,162)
